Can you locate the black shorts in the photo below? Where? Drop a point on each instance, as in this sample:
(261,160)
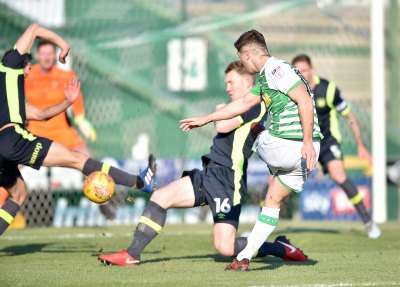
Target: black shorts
(215,186)
(330,150)
(18,146)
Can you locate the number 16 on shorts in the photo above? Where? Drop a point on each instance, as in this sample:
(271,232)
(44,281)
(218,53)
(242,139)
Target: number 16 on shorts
(223,206)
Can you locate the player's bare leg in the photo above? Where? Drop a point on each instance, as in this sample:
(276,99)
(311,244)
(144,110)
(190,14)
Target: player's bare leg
(17,196)
(338,174)
(59,155)
(178,194)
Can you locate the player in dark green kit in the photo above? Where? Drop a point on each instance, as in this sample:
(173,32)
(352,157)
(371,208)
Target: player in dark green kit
(329,102)
(18,146)
(221,185)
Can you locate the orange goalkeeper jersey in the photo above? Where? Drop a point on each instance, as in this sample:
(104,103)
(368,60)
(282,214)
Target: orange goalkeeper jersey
(43,90)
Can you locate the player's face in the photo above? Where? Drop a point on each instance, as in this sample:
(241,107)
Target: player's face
(247,60)
(236,85)
(46,56)
(305,69)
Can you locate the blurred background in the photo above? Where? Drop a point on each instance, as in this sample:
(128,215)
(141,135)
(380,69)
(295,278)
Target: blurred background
(144,65)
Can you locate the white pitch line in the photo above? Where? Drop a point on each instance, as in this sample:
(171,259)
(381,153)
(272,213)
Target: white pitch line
(342,284)
(97,234)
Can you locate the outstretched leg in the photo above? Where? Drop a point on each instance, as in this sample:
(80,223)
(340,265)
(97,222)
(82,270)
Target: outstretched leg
(178,194)
(59,155)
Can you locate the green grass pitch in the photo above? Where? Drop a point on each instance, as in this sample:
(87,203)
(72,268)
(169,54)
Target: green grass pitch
(340,255)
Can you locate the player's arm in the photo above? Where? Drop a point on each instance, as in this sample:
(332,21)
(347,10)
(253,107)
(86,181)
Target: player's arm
(226,126)
(355,129)
(306,112)
(25,42)
(231,110)
(71,93)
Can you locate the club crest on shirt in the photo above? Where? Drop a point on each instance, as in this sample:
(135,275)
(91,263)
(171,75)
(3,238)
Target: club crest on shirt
(278,72)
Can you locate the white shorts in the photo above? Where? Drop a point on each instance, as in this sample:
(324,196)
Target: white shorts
(284,159)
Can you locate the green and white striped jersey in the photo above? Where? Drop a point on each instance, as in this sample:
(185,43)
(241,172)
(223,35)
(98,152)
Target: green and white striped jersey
(277,79)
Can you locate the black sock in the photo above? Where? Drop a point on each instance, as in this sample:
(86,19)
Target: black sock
(7,214)
(150,225)
(240,244)
(356,199)
(268,248)
(119,176)
(271,248)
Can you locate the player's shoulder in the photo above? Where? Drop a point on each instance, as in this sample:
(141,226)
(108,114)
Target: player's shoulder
(323,81)
(277,68)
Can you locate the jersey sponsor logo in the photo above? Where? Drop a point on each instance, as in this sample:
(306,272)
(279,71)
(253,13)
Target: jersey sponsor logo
(35,154)
(278,72)
(267,100)
(321,103)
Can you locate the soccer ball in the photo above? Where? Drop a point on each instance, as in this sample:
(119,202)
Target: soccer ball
(99,187)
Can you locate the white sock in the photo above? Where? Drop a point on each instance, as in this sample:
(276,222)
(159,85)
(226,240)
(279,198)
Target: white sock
(265,225)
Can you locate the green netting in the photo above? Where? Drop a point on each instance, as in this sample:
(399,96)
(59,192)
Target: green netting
(120,53)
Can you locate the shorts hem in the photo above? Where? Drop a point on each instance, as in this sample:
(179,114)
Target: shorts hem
(288,187)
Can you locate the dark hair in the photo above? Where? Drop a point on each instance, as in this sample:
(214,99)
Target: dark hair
(239,68)
(302,58)
(44,43)
(251,37)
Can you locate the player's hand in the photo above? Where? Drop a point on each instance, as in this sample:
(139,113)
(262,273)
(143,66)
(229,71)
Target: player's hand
(189,124)
(72,89)
(86,128)
(364,153)
(308,153)
(64,53)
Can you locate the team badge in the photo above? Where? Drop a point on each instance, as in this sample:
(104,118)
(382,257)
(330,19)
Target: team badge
(278,72)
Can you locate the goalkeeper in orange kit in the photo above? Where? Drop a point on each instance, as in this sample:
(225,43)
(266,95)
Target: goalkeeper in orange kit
(45,87)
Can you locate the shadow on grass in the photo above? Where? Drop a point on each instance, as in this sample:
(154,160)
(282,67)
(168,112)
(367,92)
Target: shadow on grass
(40,247)
(305,230)
(272,262)
(279,263)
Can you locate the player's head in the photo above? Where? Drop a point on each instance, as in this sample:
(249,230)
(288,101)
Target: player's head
(238,80)
(46,55)
(26,64)
(252,50)
(302,62)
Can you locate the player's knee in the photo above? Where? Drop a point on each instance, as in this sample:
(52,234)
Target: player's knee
(339,178)
(19,196)
(160,198)
(275,198)
(223,248)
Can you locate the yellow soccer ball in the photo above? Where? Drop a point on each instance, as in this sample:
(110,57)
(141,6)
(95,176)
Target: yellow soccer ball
(99,187)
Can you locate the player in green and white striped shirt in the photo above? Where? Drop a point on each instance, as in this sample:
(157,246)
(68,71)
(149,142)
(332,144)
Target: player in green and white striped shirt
(290,146)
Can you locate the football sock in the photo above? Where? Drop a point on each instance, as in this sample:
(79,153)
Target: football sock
(264,226)
(271,248)
(356,199)
(240,244)
(119,176)
(7,214)
(150,225)
(267,248)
